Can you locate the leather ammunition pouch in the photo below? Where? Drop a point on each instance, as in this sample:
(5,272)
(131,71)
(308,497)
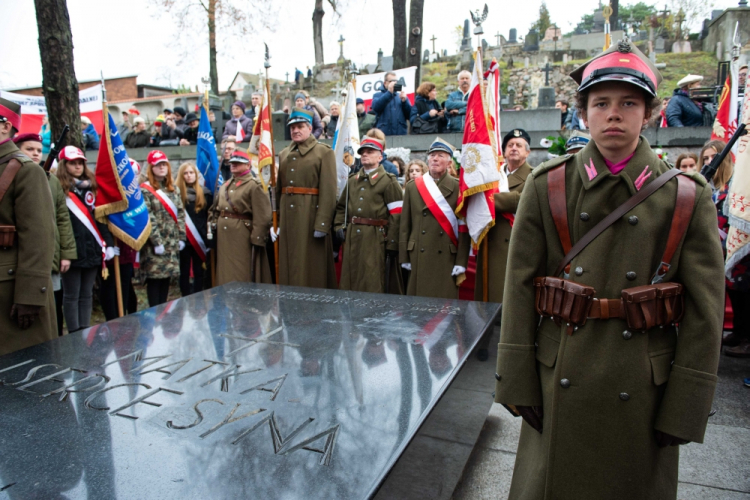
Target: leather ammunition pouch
(7,236)
(563,300)
(647,306)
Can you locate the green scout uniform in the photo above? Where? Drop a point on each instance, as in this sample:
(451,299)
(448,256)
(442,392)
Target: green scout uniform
(238,224)
(303,259)
(65,242)
(164,231)
(25,268)
(605,390)
(424,244)
(498,238)
(369,197)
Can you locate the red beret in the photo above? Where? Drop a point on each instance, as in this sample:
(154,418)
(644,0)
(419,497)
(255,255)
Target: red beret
(18,139)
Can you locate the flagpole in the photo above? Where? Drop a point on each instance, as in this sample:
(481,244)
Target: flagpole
(212,254)
(272,184)
(118,286)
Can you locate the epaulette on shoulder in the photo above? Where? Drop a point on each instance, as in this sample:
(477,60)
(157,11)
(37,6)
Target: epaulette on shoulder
(324,144)
(697,177)
(547,165)
(392,176)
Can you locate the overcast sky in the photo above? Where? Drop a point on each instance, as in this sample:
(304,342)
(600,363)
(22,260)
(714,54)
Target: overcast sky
(126,37)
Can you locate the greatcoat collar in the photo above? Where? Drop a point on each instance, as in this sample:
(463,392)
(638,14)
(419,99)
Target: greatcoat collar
(518,176)
(374,177)
(594,170)
(445,187)
(306,146)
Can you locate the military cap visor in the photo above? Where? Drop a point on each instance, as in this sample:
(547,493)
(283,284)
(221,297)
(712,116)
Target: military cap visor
(300,115)
(440,144)
(239,157)
(10,112)
(371,143)
(622,62)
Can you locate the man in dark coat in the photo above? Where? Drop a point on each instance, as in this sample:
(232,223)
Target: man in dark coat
(306,194)
(516,148)
(682,111)
(430,239)
(393,108)
(27,302)
(611,402)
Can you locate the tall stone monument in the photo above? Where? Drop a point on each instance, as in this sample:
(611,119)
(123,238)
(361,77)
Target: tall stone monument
(531,42)
(513,36)
(466,40)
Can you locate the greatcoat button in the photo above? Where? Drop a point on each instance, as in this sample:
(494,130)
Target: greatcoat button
(579,271)
(424,232)
(585,217)
(292,170)
(624,396)
(630,275)
(421,249)
(359,210)
(44,289)
(440,251)
(291,206)
(633,220)
(565,383)
(497,377)
(11,271)
(357,230)
(360,198)
(361,189)
(291,182)
(627,334)
(441,233)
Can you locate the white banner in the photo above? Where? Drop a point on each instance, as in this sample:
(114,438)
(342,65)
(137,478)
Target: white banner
(346,139)
(33,108)
(369,85)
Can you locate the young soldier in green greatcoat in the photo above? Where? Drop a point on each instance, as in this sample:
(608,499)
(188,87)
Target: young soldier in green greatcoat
(27,243)
(367,220)
(613,395)
(306,194)
(430,239)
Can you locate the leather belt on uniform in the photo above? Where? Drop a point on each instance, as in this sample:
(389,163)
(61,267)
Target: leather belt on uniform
(606,309)
(229,215)
(296,190)
(369,222)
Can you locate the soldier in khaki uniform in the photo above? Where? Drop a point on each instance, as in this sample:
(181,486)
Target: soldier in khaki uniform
(612,387)
(429,237)
(240,220)
(27,244)
(369,210)
(516,148)
(306,194)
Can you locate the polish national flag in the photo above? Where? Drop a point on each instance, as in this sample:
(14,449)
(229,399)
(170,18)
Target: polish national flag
(261,143)
(481,176)
(725,124)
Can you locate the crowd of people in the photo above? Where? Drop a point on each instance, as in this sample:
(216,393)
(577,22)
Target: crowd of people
(646,258)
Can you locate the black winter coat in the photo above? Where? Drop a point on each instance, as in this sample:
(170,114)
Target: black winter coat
(683,112)
(200,219)
(88,250)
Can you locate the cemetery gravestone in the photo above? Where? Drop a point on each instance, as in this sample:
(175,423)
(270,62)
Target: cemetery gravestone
(512,36)
(531,42)
(466,40)
(241,391)
(660,43)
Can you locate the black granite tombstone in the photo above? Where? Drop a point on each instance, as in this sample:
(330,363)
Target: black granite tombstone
(531,42)
(242,391)
(512,36)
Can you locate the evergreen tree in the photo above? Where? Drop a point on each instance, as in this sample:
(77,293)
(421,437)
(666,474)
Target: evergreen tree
(544,21)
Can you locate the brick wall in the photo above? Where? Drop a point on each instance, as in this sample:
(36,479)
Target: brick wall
(117,88)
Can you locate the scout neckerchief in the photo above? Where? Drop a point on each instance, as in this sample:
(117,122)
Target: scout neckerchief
(191,231)
(83,214)
(438,206)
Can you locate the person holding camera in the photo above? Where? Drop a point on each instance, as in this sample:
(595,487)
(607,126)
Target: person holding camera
(391,106)
(427,117)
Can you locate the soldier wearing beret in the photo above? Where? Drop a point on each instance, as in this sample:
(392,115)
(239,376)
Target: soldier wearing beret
(27,243)
(306,194)
(240,219)
(516,147)
(367,220)
(607,388)
(430,235)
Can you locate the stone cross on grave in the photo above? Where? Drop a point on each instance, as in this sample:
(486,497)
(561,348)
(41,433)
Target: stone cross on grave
(679,19)
(497,35)
(341,41)
(433,43)
(664,13)
(287,77)
(546,70)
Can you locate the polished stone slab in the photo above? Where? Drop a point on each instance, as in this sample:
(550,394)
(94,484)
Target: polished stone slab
(242,391)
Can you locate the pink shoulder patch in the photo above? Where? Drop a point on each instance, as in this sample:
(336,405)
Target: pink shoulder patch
(591,169)
(642,178)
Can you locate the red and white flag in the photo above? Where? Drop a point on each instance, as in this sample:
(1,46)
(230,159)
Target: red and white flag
(261,143)
(481,176)
(725,124)
(240,134)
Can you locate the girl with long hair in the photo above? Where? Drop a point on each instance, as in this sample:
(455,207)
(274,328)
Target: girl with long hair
(91,237)
(196,202)
(160,259)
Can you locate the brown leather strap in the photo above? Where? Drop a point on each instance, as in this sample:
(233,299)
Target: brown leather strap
(8,175)
(606,309)
(369,222)
(559,207)
(683,210)
(230,215)
(615,215)
(295,190)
